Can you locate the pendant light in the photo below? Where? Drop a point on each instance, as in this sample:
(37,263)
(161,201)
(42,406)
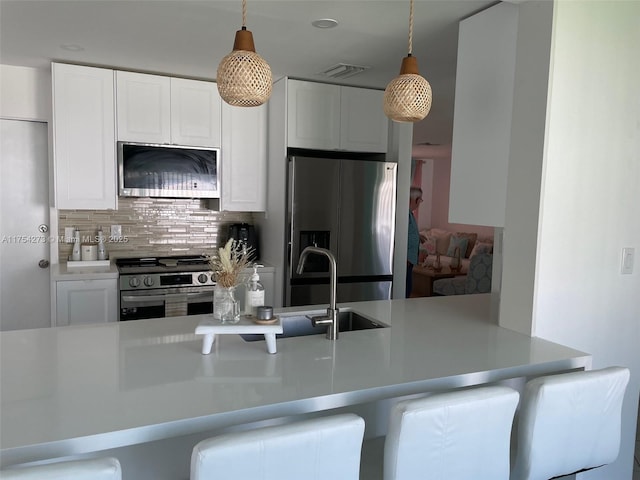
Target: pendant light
(244,78)
(407,97)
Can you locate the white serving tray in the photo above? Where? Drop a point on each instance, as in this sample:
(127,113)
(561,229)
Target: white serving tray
(210,328)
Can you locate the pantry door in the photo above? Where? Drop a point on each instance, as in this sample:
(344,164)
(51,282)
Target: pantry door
(25,299)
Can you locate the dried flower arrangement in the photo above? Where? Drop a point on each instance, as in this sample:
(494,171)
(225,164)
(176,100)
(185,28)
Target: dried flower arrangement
(230,262)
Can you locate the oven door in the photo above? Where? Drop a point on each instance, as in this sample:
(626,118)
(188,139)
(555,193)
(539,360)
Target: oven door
(165,302)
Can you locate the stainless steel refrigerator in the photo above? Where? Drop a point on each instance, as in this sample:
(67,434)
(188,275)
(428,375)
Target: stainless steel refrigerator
(344,202)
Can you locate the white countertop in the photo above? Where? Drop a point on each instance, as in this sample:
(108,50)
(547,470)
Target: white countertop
(78,389)
(59,271)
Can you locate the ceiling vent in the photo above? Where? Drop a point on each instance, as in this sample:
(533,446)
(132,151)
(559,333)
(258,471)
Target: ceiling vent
(343,70)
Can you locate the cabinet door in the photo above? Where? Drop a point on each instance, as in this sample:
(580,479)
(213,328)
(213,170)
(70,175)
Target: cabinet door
(143,107)
(313,111)
(84,154)
(195,113)
(483,109)
(86,301)
(363,124)
(244,159)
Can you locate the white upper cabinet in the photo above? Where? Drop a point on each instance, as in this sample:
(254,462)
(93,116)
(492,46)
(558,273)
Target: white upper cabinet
(144,107)
(331,117)
(313,111)
(166,110)
(84,147)
(244,158)
(483,116)
(363,124)
(195,113)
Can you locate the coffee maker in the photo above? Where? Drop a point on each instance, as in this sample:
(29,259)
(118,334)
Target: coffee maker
(246,236)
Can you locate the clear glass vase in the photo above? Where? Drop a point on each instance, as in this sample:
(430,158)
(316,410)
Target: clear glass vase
(226,308)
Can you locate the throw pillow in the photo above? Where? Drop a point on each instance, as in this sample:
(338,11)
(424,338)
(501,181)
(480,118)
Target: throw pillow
(460,242)
(470,244)
(481,247)
(430,245)
(442,239)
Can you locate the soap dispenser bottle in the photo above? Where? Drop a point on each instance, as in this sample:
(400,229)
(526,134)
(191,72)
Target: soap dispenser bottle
(254,294)
(102,251)
(75,253)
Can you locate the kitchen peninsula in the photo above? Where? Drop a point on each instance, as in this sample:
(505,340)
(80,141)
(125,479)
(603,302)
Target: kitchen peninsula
(81,389)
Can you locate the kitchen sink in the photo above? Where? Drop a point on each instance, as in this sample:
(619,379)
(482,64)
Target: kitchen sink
(299,325)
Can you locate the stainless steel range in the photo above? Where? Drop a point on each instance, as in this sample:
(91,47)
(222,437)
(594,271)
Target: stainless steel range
(156,287)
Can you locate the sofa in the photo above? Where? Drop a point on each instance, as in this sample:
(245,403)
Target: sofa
(477,279)
(445,242)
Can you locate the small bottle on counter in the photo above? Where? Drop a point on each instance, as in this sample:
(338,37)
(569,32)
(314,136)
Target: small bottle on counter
(102,250)
(254,294)
(75,253)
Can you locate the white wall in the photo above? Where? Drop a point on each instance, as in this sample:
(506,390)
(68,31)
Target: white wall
(590,205)
(399,151)
(564,235)
(25,93)
(526,150)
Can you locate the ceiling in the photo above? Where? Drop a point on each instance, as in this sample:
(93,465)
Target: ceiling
(189,38)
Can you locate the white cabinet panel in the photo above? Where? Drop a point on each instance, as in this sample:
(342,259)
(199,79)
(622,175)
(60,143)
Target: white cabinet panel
(143,106)
(482,116)
(330,117)
(86,301)
(363,124)
(244,158)
(166,110)
(195,113)
(84,137)
(313,115)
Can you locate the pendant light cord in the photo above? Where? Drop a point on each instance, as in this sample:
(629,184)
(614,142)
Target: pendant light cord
(244,13)
(410,27)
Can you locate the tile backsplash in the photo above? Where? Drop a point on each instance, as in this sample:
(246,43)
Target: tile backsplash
(152,227)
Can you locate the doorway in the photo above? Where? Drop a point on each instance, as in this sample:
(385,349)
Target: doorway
(25,299)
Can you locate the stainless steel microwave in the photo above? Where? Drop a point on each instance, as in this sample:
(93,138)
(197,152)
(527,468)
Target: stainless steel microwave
(152,170)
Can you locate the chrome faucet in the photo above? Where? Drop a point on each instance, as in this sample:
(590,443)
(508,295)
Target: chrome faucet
(331,318)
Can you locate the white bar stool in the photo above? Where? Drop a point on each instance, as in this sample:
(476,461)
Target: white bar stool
(320,448)
(93,469)
(460,435)
(569,423)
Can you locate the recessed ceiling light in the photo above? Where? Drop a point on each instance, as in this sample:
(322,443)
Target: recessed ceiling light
(71,47)
(325,23)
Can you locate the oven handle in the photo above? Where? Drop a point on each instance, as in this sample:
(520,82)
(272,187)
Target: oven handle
(208,293)
(151,298)
(160,298)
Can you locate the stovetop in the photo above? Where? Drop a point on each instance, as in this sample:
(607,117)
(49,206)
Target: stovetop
(167,264)
(184,271)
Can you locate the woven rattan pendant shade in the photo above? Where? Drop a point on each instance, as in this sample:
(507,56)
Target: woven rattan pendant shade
(407,97)
(244,78)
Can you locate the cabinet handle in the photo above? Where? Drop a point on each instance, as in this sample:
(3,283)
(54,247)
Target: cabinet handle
(43,263)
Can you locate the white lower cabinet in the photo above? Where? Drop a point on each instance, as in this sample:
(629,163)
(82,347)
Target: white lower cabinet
(86,301)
